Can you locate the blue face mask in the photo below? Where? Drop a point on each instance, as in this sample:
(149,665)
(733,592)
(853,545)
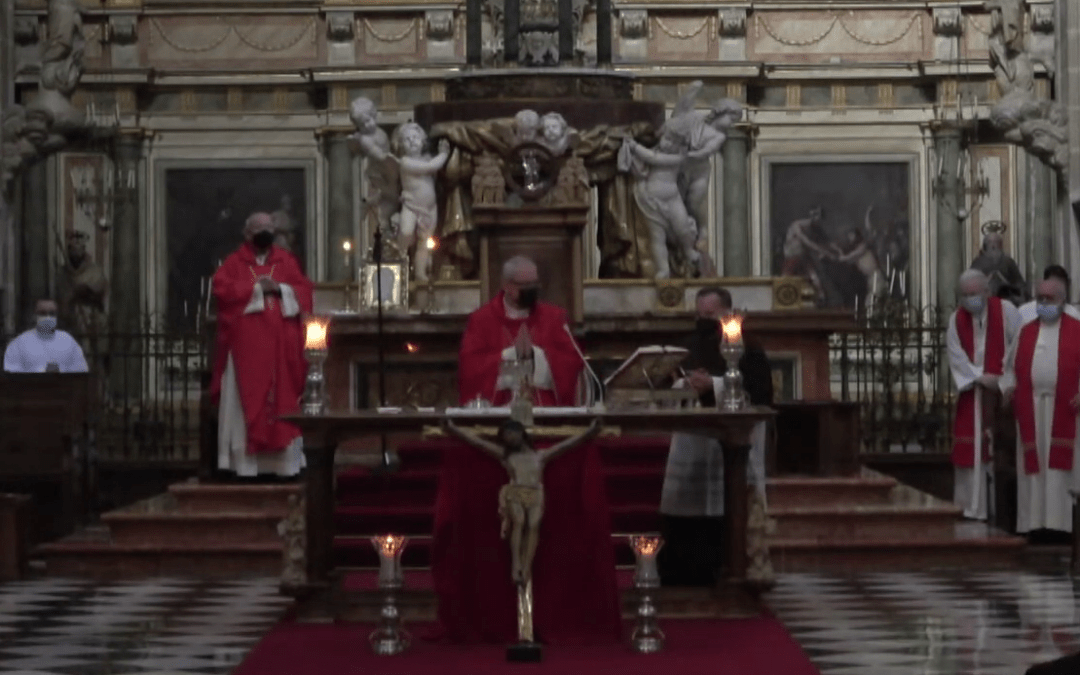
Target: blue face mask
(1048,313)
(974,304)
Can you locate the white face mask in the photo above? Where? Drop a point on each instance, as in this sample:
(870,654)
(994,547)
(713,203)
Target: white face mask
(974,304)
(1048,313)
(46,324)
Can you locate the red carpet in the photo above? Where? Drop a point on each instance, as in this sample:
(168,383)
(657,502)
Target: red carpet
(694,646)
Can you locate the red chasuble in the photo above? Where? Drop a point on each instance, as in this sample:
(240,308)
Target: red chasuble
(963,454)
(575,594)
(1063,426)
(490,331)
(267,348)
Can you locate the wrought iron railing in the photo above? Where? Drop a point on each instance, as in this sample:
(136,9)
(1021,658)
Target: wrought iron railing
(895,364)
(146,390)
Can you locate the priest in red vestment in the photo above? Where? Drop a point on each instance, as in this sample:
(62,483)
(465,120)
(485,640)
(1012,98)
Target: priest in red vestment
(575,596)
(977,336)
(262,297)
(1043,380)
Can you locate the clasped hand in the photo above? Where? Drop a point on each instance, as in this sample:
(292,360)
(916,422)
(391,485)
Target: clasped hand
(700,380)
(268,285)
(523,345)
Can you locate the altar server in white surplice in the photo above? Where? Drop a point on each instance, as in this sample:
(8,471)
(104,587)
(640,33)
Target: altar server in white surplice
(977,338)
(44,348)
(1042,377)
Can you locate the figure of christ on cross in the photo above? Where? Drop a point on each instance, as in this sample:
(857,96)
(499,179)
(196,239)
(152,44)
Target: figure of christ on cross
(521,501)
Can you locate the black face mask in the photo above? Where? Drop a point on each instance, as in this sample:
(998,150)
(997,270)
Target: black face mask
(707,327)
(527,297)
(262,240)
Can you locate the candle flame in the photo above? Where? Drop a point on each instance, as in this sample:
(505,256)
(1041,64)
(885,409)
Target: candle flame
(347,245)
(645,545)
(412,347)
(315,333)
(432,243)
(732,328)
(389,545)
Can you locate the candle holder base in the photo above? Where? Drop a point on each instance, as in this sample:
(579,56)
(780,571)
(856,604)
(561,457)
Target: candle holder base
(647,637)
(524,652)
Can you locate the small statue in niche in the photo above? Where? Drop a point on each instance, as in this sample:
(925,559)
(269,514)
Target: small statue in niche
(521,501)
(1006,281)
(572,185)
(83,287)
(656,191)
(293,533)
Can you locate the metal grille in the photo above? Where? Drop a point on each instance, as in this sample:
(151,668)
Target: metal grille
(146,392)
(896,365)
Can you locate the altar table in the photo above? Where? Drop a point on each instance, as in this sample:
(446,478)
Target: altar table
(323,434)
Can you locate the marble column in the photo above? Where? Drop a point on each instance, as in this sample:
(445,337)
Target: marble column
(125,277)
(36,239)
(736,207)
(949,247)
(1040,209)
(340,222)
(7,221)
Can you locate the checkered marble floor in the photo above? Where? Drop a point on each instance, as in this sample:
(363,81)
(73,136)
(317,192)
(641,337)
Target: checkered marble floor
(948,623)
(158,626)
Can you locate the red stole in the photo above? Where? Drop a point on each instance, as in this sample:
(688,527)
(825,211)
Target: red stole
(964,431)
(1063,427)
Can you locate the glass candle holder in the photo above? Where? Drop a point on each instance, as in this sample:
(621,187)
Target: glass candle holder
(647,637)
(389,638)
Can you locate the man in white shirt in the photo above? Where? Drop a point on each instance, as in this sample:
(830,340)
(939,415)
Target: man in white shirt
(44,348)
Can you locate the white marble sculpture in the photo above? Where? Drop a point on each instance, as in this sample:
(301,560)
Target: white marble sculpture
(1039,125)
(705,131)
(419,213)
(380,171)
(656,192)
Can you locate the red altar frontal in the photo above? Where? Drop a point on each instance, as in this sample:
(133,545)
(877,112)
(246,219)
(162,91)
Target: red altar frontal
(421,352)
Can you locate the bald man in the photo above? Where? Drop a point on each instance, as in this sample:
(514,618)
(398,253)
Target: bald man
(979,333)
(1042,377)
(259,367)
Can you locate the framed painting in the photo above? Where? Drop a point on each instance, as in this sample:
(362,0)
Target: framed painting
(204,209)
(842,223)
(786,376)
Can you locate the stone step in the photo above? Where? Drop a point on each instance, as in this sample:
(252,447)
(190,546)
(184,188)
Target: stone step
(192,529)
(232,498)
(107,561)
(811,491)
(863,522)
(902,554)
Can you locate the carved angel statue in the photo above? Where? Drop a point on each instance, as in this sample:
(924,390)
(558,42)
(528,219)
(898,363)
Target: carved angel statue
(61,63)
(381,171)
(293,532)
(556,135)
(521,501)
(1037,124)
(656,192)
(705,131)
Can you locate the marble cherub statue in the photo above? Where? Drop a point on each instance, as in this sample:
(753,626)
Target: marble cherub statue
(521,501)
(380,171)
(656,191)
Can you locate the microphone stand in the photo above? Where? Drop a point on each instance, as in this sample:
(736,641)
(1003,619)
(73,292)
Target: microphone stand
(387,463)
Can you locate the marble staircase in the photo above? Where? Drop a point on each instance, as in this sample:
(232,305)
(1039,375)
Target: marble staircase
(200,530)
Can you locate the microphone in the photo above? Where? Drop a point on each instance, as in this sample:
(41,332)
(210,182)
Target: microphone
(599,385)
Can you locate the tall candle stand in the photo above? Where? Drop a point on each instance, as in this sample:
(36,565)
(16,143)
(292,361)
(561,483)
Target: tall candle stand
(313,400)
(733,397)
(647,637)
(389,638)
(346,247)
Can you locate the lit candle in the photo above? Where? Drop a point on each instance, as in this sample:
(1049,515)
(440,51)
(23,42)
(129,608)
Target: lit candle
(432,243)
(645,550)
(389,548)
(346,246)
(412,347)
(315,334)
(731,327)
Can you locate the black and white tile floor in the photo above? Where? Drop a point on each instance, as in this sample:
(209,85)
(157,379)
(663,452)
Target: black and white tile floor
(949,623)
(158,627)
(962,623)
